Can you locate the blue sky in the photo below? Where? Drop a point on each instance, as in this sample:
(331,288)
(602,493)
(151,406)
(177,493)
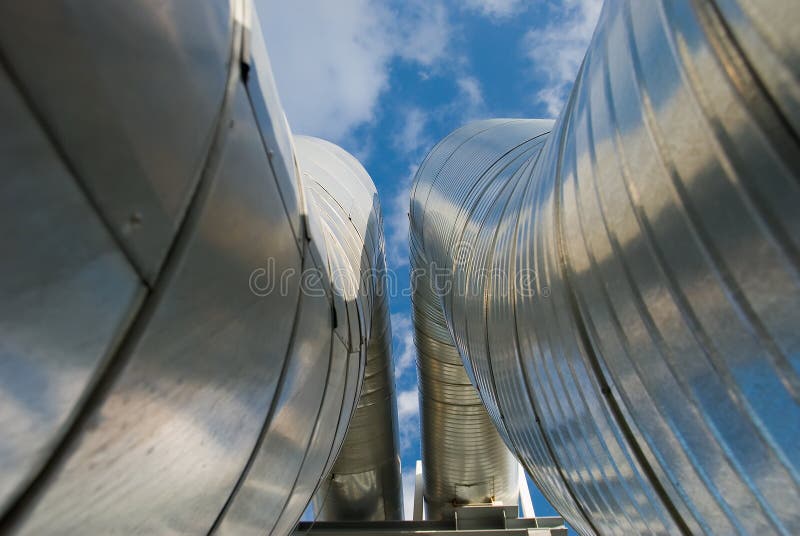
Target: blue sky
(387,79)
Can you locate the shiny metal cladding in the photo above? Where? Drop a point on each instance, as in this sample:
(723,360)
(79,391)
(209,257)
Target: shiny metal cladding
(167,363)
(623,287)
(364,483)
(465,462)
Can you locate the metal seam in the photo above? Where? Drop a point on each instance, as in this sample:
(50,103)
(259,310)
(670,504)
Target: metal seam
(267,420)
(584,336)
(113,233)
(16,512)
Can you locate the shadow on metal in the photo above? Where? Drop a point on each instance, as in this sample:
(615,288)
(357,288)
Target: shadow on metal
(165,368)
(623,286)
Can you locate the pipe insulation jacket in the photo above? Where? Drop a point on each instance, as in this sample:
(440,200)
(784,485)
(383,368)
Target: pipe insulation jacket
(623,285)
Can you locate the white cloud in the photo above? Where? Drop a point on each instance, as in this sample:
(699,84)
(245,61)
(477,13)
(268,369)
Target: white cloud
(407,400)
(331,59)
(407,404)
(553,98)
(470,89)
(408,420)
(411,138)
(405,355)
(423,29)
(556,51)
(395,221)
(470,104)
(494,8)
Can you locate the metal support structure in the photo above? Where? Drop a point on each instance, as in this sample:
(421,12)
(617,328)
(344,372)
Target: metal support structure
(525,502)
(419,503)
(541,526)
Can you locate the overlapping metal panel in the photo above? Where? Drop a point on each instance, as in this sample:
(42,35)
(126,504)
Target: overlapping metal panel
(67,295)
(364,483)
(177,352)
(80,70)
(624,287)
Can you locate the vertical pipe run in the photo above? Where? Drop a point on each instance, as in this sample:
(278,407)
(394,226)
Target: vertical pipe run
(364,483)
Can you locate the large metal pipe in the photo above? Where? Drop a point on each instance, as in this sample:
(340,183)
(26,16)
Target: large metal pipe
(177,355)
(364,483)
(623,287)
(465,462)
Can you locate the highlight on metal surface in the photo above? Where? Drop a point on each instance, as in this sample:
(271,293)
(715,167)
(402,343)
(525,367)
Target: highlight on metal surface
(185,318)
(623,286)
(364,483)
(465,462)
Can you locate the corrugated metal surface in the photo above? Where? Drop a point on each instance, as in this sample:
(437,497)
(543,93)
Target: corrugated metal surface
(177,352)
(464,459)
(626,290)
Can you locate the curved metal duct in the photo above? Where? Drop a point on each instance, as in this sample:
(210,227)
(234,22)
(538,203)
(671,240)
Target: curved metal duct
(465,462)
(364,482)
(176,353)
(624,286)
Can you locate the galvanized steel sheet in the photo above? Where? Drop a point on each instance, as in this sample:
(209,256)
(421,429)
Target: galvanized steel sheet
(623,287)
(152,379)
